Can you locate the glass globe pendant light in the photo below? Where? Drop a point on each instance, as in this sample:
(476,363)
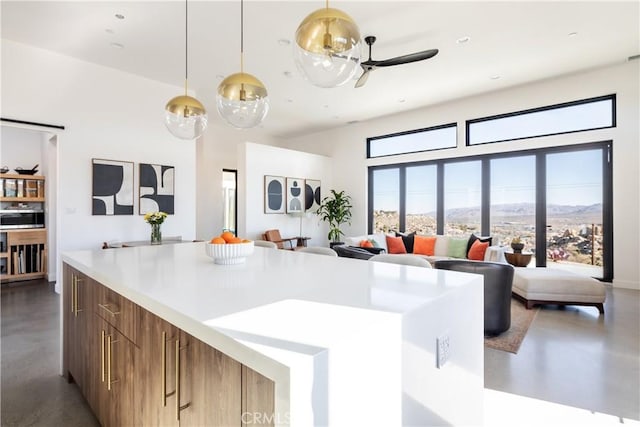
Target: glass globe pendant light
(327,49)
(185,116)
(242,99)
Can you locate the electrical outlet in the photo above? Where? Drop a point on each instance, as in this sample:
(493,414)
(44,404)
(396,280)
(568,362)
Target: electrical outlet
(443,350)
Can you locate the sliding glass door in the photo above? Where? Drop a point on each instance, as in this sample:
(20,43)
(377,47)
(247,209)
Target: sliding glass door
(574,211)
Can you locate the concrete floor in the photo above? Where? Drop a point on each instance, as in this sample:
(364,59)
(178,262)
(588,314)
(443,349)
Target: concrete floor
(570,356)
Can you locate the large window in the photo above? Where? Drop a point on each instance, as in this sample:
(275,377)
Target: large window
(434,138)
(386,199)
(513,200)
(462,198)
(421,199)
(587,114)
(557,200)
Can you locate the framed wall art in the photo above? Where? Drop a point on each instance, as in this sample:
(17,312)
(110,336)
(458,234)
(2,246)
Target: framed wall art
(274,194)
(112,187)
(312,196)
(295,195)
(157,188)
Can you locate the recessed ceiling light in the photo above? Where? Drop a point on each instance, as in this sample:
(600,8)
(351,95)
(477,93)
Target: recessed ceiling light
(288,74)
(109,30)
(463,40)
(572,34)
(494,77)
(119,16)
(284,42)
(117,45)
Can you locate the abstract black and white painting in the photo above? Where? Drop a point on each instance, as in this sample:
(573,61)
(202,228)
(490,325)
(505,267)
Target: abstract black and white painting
(312,196)
(273,194)
(295,195)
(112,187)
(157,191)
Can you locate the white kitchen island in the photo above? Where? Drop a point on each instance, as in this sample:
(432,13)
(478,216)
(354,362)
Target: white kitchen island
(347,342)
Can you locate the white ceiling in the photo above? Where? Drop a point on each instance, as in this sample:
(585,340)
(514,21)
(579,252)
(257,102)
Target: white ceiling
(518,41)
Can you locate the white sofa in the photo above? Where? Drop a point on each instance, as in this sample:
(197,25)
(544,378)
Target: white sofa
(493,253)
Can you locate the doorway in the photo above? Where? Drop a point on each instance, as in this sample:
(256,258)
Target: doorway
(230,199)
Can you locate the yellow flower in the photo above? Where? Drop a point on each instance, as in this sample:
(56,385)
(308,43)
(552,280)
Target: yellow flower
(155,217)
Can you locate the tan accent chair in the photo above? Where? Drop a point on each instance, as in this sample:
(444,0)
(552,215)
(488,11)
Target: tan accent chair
(275,237)
(319,250)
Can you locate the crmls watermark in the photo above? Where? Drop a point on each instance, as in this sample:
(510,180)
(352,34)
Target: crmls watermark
(262,418)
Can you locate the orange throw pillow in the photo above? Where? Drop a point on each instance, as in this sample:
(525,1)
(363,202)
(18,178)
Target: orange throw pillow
(366,244)
(477,250)
(396,245)
(424,245)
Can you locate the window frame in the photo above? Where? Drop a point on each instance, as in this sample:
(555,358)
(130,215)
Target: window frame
(410,132)
(540,154)
(611,97)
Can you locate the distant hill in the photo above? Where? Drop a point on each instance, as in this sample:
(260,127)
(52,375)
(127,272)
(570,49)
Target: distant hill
(514,210)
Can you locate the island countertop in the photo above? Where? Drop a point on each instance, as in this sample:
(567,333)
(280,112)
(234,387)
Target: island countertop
(281,310)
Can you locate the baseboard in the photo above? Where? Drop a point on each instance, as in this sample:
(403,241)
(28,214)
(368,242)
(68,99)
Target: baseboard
(626,284)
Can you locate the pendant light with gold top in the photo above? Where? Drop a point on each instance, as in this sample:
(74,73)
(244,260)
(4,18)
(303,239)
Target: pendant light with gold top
(185,116)
(242,99)
(327,49)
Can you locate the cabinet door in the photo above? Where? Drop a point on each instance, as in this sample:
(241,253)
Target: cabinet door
(210,384)
(77,309)
(155,372)
(115,394)
(258,398)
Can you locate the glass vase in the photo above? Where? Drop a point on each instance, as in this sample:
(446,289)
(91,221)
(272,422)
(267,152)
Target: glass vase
(156,234)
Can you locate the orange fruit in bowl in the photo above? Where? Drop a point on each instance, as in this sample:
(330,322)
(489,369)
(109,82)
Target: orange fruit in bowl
(246,241)
(227,235)
(234,240)
(218,240)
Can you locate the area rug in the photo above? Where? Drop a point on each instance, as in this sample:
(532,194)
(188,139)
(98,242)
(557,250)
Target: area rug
(521,319)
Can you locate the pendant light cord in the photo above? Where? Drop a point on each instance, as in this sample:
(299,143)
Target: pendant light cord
(242,36)
(186,44)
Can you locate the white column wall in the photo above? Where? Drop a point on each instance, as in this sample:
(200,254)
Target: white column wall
(347,145)
(255,161)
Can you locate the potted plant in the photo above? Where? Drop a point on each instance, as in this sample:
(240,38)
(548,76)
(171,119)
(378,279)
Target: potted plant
(336,210)
(517,245)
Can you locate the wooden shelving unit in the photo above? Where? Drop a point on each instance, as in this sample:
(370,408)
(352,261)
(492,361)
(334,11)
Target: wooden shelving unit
(23,252)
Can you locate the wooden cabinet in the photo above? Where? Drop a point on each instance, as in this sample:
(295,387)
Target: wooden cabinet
(78,315)
(116,387)
(23,238)
(135,368)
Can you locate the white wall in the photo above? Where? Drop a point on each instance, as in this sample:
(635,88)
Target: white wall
(108,114)
(347,145)
(20,147)
(254,162)
(217,150)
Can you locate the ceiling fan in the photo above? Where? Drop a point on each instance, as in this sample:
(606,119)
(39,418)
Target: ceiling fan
(369,65)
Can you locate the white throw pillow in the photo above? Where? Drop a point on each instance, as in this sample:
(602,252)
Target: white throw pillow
(442,246)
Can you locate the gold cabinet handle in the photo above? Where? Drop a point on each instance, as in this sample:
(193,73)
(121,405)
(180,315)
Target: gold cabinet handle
(178,407)
(108,362)
(102,337)
(110,343)
(106,308)
(73,293)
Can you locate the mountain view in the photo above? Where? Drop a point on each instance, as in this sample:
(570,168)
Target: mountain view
(574,233)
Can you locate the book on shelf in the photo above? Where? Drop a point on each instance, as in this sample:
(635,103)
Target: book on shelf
(10,189)
(31,188)
(20,187)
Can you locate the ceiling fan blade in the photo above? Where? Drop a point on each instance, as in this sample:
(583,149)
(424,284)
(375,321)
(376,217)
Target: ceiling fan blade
(406,59)
(363,78)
